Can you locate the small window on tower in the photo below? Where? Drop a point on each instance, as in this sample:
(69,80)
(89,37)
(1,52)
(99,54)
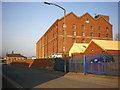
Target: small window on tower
(87,20)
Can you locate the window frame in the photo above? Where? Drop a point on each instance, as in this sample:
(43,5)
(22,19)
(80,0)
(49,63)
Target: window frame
(83,27)
(91,34)
(99,34)
(107,29)
(107,35)
(91,27)
(83,34)
(83,40)
(73,26)
(73,40)
(74,33)
(99,28)
(87,21)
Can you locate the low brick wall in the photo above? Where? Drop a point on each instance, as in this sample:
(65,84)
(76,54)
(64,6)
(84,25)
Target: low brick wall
(43,63)
(21,62)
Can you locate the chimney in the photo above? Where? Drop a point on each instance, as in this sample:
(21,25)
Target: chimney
(105,17)
(12,52)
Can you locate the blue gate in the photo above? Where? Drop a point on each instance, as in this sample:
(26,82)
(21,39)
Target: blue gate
(94,64)
(97,64)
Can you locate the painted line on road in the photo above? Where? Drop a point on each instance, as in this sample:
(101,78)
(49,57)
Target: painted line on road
(12,82)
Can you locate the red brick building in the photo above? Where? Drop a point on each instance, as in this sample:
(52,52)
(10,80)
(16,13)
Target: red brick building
(78,30)
(99,47)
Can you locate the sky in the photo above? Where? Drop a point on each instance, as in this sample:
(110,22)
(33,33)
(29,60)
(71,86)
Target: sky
(23,23)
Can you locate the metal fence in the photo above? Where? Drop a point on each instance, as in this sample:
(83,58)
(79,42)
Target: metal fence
(76,64)
(102,64)
(97,64)
(59,64)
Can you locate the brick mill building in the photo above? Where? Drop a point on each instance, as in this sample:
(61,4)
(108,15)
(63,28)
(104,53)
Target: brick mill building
(78,30)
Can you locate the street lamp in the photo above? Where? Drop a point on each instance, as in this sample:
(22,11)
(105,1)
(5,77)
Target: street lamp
(64,31)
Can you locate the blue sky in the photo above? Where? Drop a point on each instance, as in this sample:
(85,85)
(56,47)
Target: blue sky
(23,23)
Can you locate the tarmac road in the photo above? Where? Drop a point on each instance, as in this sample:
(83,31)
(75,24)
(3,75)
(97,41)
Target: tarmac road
(31,78)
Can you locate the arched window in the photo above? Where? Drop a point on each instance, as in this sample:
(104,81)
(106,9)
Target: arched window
(83,27)
(74,26)
(91,27)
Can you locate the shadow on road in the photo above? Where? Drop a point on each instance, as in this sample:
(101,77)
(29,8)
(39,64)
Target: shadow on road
(27,77)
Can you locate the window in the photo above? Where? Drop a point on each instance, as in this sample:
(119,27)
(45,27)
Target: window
(74,26)
(83,41)
(83,34)
(74,33)
(63,48)
(63,39)
(74,40)
(99,28)
(107,35)
(63,32)
(83,27)
(99,34)
(91,27)
(91,34)
(106,28)
(64,26)
(87,20)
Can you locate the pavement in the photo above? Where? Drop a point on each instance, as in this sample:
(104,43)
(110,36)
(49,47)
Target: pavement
(103,79)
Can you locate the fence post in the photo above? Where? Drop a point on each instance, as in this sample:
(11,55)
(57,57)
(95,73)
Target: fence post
(104,63)
(84,65)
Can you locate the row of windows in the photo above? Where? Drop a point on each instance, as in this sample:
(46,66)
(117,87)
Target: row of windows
(83,27)
(74,40)
(83,34)
(91,28)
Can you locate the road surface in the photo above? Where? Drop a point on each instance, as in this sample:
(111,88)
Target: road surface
(31,78)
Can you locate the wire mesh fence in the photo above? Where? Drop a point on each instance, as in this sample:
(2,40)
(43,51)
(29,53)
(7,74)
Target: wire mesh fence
(96,64)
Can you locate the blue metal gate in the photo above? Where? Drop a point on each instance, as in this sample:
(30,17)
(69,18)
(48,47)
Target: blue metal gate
(95,64)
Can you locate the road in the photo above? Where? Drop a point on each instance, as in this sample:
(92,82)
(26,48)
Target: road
(31,78)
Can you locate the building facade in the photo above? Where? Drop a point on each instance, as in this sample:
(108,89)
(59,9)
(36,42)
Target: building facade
(78,30)
(13,56)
